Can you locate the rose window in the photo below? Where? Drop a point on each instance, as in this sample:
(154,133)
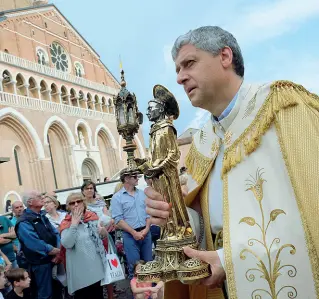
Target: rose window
(59,57)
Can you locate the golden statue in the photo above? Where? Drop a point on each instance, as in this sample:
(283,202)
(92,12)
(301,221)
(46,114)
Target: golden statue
(170,262)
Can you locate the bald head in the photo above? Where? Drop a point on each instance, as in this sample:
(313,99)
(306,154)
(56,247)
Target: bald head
(17,208)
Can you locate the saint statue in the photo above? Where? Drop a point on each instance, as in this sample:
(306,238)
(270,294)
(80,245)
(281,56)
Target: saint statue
(162,167)
(165,154)
(81,139)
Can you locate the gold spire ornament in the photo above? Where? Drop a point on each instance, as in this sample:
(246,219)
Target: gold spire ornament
(170,262)
(128,121)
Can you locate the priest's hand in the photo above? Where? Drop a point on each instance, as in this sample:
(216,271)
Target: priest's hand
(156,207)
(210,257)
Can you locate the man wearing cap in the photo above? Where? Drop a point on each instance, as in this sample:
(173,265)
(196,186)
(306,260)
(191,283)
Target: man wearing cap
(253,175)
(129,213)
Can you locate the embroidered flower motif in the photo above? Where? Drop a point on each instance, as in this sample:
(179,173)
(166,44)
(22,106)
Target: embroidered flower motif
(255,185)
(270,265)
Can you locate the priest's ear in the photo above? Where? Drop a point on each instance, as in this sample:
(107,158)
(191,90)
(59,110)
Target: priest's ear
(226,57)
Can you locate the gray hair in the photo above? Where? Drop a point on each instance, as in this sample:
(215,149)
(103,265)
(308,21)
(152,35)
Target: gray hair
(27,196)
(212,39)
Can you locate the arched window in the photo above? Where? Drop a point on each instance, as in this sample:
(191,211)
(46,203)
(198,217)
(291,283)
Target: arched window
(79,69)
(16,158)
(42,56)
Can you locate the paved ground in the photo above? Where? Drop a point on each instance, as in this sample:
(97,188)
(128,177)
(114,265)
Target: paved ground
(124,285)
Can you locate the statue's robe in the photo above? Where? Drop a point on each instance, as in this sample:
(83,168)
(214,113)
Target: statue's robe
(165,153)
(270,195)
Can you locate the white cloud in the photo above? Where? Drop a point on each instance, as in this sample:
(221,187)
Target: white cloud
(201,117)
(265,21)
(254,24)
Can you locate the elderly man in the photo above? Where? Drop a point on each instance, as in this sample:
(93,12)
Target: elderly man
(253,175)
(128,212)
(39,242)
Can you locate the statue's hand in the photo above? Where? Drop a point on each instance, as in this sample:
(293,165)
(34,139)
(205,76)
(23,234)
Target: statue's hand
(156,207)
(153,172)
(139,161)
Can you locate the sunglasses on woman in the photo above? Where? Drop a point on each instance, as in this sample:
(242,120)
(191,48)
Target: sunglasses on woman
(72,203)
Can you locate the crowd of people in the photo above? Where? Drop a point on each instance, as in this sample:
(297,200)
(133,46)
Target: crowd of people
(49,251)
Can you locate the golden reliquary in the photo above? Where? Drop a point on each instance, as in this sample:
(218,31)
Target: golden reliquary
(170,262)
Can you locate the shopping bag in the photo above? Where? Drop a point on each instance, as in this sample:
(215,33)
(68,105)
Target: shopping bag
(114,271)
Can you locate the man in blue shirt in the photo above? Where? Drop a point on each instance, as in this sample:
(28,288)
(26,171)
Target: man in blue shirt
(40,243)
(129,213)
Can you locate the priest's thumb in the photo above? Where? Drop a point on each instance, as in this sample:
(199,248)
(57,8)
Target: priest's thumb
(205,256)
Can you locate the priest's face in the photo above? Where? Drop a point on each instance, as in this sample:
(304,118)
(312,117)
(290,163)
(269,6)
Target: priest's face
(154,111)
(202,75)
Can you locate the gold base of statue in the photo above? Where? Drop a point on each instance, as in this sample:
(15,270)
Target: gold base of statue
(171,263)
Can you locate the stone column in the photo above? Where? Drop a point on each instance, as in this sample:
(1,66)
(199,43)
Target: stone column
(26,86)
(14,86)
(35,88)
(59,95)
(39,91)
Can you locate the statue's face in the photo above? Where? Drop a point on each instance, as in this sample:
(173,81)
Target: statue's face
(154,111)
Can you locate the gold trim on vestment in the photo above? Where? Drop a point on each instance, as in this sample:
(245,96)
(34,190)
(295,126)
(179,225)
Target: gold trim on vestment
(299,143)
(198,165)
(229,266)
(283,94)
(204,202)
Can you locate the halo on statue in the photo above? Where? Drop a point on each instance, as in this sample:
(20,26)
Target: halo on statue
(164,96)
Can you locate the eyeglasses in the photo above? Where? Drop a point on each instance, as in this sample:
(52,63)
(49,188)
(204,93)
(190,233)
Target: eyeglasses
(72,203)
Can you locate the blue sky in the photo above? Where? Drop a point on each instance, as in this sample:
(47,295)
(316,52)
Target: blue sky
(279,40)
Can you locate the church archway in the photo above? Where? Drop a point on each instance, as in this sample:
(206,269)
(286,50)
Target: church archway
(83,133)
(90,170)
(7,82)
(107,152)
(18,141)
(33,88)
(61,158)
(12,195)
(21,85)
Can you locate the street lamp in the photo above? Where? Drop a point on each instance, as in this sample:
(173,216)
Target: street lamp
(128,121)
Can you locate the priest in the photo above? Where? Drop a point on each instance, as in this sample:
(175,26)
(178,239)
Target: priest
(253,176)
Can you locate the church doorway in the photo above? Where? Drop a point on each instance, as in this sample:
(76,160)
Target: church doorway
(90,171)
